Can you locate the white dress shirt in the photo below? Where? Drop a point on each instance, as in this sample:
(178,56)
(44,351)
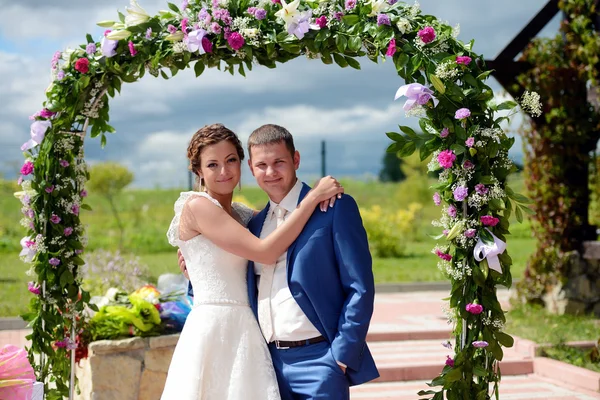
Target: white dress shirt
(288,320)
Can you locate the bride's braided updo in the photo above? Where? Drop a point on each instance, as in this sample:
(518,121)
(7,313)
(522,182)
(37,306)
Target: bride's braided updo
(207,136)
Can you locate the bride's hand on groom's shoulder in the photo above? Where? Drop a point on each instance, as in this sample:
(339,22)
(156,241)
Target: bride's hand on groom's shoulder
(328,189)
(182,266)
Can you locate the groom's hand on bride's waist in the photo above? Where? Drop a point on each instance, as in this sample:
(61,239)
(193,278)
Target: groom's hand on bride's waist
(182,266)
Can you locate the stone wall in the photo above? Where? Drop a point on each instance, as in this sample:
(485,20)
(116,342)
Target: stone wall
(128,369)
(580,293)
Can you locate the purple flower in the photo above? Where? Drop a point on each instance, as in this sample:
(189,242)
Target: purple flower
(350,4)
(470,142)
(172,29)
(427,34)
(55,59)
(235,40)
(449,362)
(90,48)
(300,26)
(37,132)
(481,189)
(383,19)
(33,288)
(64,163)
(68,231)
(184,4)
(55,219)
(444,133)
(108,47)
(83,193)
(215,28)
(470,233)
(468,164)
(78,251)
(474,309)
(416,94)
(203,14)
(75,209)
(445,232)
(437,200)
(461,193)
(20,181)
(451,211)
(223,15)
(54,261)
(446,158)
(194,41)
(49,189)
(260,14)
(462,113)
(392,2)
(321,21)
(464,60)
(447,344)
(149,33)
(60,75)
(338,15)
(480,344)
(27,168)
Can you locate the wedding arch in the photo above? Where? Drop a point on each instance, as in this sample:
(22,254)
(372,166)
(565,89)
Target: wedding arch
(445,88)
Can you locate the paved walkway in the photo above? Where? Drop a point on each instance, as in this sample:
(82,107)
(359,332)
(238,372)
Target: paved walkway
(406,333)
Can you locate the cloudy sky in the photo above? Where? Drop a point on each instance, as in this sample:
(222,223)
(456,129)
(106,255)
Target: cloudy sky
(351,110)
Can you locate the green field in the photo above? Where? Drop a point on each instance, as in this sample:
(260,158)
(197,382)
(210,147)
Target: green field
(147,214)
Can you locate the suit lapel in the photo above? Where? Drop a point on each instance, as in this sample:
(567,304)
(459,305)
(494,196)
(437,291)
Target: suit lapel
(255,227)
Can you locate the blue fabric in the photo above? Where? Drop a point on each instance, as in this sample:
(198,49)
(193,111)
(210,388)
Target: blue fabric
(330,275)
(309,372)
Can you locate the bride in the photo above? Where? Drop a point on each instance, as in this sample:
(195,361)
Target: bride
(221,353)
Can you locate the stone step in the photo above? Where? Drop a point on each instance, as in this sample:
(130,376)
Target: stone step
(521,387)
(410,360)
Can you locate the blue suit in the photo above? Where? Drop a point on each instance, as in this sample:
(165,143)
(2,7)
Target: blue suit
(329,273)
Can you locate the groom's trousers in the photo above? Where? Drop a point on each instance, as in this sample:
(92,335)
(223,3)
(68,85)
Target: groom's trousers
(309,372)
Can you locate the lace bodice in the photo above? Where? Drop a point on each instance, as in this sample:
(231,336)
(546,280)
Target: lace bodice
(217,276)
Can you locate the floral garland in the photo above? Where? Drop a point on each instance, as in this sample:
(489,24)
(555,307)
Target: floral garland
(446,90)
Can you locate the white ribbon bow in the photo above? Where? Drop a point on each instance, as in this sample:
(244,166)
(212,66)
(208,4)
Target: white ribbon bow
(490,251)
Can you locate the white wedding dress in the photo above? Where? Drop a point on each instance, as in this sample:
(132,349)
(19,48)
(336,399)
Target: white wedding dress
(221,353)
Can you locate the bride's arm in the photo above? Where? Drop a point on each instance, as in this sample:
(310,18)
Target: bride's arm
(219,227)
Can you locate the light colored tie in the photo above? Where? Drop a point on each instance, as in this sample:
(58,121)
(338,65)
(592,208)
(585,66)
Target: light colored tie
(265,318)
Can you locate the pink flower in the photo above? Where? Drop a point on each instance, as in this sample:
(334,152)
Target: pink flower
(321,21)
(49,189)
(444,133)
(427,34)
(462,113)
(449,362)
(481,189)
(489,220)
(171,29)
(20,181)
(78,251)
(132,49)
(184,23)
(437,199)
(45,113)
(64,163)
(391,50)
(468,164)
(61,344)
(460,193)
(451,211)
(27,168)
(338,15)
(470,142)
(75,209)
(349,4)
(236,41)
(443,256)
(474,309)
(464,60)
(445,232)
(480,344)
(470,233)
(82,65)
(215,28)
(55,219)
(446,158)
(83,193)
(54,261)
(33,288)
(68,231)
(207,45)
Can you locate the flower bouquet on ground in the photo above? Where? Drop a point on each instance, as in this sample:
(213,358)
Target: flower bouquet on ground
(16,374)
(145,312)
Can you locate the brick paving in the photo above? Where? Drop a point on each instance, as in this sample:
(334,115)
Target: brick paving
(406,333)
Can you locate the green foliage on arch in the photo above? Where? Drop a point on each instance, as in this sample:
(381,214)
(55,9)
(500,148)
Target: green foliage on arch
(445,88)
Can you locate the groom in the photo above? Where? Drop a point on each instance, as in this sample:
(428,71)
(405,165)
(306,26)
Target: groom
(315,306)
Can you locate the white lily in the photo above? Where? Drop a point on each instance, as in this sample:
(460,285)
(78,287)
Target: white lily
(118,35)
(137,15)
(377,7)
(288,12)
(175,37)
(106,24)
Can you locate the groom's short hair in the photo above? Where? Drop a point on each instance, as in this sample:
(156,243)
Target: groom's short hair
(271,134)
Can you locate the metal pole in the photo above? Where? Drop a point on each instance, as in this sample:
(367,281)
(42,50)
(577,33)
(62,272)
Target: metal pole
(323,153)
(190,180)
